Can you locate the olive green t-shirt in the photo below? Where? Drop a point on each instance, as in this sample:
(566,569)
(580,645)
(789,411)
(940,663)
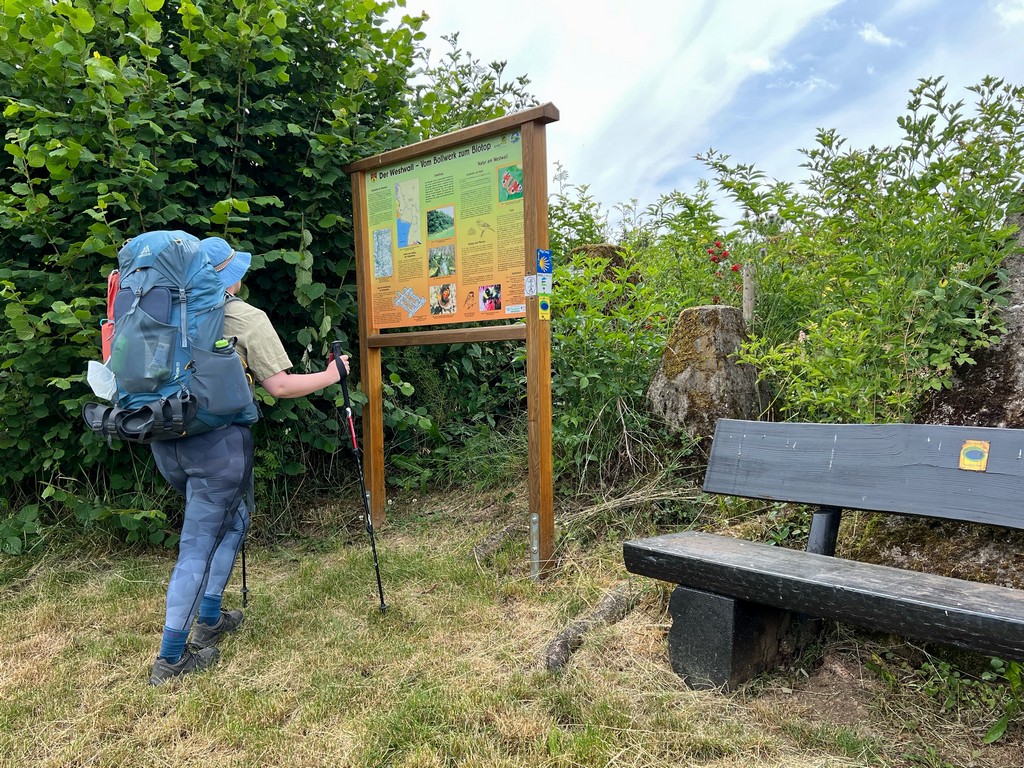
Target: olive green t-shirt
(257,340)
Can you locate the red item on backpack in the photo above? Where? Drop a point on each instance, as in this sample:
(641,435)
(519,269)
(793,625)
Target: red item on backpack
(107,326)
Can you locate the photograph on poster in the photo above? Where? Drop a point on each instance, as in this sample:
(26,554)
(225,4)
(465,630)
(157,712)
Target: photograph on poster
(441,223)
(510,180)
(441,261)
(490,298)
(442,299)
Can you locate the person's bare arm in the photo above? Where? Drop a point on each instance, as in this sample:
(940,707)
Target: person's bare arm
(288,385)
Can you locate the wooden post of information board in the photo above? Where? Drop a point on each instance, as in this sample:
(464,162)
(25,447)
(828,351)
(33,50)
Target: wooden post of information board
(538,356)
(370,371)
(535,331)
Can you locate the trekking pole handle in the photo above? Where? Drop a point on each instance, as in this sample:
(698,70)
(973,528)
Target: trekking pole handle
(342,373)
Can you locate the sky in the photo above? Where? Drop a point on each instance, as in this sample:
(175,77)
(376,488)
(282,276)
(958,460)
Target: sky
(642,86)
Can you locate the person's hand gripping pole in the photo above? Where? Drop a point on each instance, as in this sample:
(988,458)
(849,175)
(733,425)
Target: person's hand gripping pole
(343,374)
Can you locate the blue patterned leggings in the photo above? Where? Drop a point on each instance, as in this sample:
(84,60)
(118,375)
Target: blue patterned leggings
(212,472)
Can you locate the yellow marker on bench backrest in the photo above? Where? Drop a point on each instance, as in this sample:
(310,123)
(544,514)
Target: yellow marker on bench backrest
(974,455)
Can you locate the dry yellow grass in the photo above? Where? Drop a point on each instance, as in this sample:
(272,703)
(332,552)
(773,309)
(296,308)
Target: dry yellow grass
(452,675)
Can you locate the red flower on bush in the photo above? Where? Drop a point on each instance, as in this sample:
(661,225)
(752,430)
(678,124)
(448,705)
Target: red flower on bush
(723,282)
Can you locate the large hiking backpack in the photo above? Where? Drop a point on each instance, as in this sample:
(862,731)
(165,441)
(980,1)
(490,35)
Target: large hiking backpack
(175,373)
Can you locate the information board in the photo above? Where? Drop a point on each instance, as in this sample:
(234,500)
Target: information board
(454,229)
(446,235)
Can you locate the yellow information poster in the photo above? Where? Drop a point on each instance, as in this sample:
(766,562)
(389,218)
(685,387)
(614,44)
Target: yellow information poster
(446,234)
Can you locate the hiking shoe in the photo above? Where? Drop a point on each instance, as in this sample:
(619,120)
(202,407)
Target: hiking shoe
(192,660)
(207,635)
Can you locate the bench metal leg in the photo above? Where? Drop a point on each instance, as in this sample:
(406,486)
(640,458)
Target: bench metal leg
(824,531)
(720,642)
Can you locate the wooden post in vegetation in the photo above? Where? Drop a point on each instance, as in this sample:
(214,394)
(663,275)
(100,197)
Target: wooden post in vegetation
(449,174)
(749,286)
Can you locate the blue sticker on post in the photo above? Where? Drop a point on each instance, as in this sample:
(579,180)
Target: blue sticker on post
(544,262)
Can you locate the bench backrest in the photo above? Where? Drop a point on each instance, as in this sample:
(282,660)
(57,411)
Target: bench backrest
(974,474)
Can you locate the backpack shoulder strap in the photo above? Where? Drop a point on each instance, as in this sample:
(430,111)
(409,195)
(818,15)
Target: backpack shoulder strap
(228,298)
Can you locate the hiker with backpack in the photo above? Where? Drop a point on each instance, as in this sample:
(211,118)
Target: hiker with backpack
(178,353)
(213,471)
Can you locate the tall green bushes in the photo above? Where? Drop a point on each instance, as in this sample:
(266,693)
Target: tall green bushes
(901,250)
(876,277)
(230,118)
(608,330)
(881,274)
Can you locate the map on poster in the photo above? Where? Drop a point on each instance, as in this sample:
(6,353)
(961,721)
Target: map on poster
(447,235)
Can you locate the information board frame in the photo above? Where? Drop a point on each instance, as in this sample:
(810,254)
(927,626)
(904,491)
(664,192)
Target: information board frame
(529,128)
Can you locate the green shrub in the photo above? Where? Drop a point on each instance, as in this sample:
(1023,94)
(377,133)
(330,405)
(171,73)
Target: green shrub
(226,118)
(885,276)
(608,328)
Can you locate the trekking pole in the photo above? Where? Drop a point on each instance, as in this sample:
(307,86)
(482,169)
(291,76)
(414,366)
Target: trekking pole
(336,352)
(245,587)
(250,499)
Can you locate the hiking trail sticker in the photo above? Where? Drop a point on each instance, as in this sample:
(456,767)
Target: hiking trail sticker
(544,261)
(544,282)
(543,307)
(974,455)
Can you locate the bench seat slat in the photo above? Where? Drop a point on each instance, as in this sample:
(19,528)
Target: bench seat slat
(984,617)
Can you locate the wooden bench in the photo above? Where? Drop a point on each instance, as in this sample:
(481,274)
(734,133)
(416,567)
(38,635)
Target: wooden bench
(738,601)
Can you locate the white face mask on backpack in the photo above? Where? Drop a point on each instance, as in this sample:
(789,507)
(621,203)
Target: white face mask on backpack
(101,380)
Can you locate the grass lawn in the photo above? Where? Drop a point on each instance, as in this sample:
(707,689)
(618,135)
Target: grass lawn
(452,675)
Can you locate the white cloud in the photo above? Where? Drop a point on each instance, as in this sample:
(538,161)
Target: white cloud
(906,7)
(634,96)
(764,64)
(640,95)
(870,34)
(1010,12)
(808,85)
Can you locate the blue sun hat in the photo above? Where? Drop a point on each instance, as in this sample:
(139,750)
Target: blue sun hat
(231,265)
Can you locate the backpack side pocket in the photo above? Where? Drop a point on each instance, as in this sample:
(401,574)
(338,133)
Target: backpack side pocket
(219,381)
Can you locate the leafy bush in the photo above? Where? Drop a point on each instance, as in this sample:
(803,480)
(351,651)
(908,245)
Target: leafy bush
(454,406)
(608,328)
(575,218)
(234,119)
(885,276)
(458,91)
(1013,695)
(876,280)
(671,239)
